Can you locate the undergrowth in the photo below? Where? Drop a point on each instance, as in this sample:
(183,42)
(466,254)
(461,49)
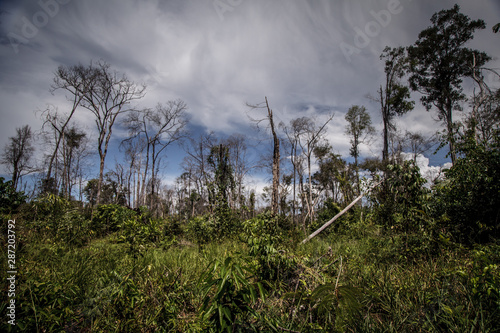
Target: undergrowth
(143,278)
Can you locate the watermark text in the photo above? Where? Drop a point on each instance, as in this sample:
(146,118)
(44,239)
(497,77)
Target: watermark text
(11,272)
(31,27)
(223,6)
(372,29)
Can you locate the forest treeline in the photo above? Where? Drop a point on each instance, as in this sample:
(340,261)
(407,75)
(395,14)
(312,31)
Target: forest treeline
(267,282)
(436,67)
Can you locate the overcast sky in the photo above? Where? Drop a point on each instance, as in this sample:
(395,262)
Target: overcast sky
(308,57)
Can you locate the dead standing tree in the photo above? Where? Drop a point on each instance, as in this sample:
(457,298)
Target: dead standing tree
(241,167)
(481,100)
(65,145)
(196,165)
(69,80)
(293,134)
(107,95)
(310,137)
(276,152)
(17,154)
(160,127)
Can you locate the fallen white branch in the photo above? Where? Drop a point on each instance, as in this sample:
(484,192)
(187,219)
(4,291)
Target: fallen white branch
(324,226)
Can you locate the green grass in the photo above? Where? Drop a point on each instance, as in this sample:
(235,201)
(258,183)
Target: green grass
(340,283)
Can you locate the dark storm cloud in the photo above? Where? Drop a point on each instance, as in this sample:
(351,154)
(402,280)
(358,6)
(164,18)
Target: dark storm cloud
(307,57)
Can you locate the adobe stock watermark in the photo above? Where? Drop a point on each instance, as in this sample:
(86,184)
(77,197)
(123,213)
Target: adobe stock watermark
(223,6)
(30,28)
(372,29)
(11,272)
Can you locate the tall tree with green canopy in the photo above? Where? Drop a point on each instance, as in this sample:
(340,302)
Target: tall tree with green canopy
(394,96)
(439,60)
(359,126)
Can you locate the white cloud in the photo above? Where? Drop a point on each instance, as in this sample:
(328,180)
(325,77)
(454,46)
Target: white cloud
(431,173)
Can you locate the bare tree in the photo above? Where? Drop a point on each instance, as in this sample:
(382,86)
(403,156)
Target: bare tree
(168,123)
(418,143)
(484,114)
(81,165)
(312,137)
(196,162)
(293,133)
(53,135)
(17,154)
(487,119)
(134,158)
(106,94)
(160,127)
(276,152)
(119,177)
(71,82)
(67,148)
(240,165)
(74,150)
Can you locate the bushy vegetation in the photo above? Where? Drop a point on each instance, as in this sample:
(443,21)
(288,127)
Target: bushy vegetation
(470,195)
(10,199)
(147,274)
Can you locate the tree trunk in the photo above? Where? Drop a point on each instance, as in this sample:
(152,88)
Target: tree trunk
(276,163)
(153,175)
(101,176)
(144,176)
(302,201)
(385,120)
(451,137)
(294,153)
(310,203)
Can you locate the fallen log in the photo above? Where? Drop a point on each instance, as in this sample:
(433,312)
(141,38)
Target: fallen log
(324,226)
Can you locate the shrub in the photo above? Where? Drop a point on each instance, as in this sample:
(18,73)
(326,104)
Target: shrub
(173,228)
(264,238)
(50,206)
(58,218)
(401,201)
(140,234)
(332,307)
(74,229)
(108,218)
(47,212)
(325,213)
(212,227)
(201,229)
(484,279)
(228,297)
(469,198)
(10,199)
